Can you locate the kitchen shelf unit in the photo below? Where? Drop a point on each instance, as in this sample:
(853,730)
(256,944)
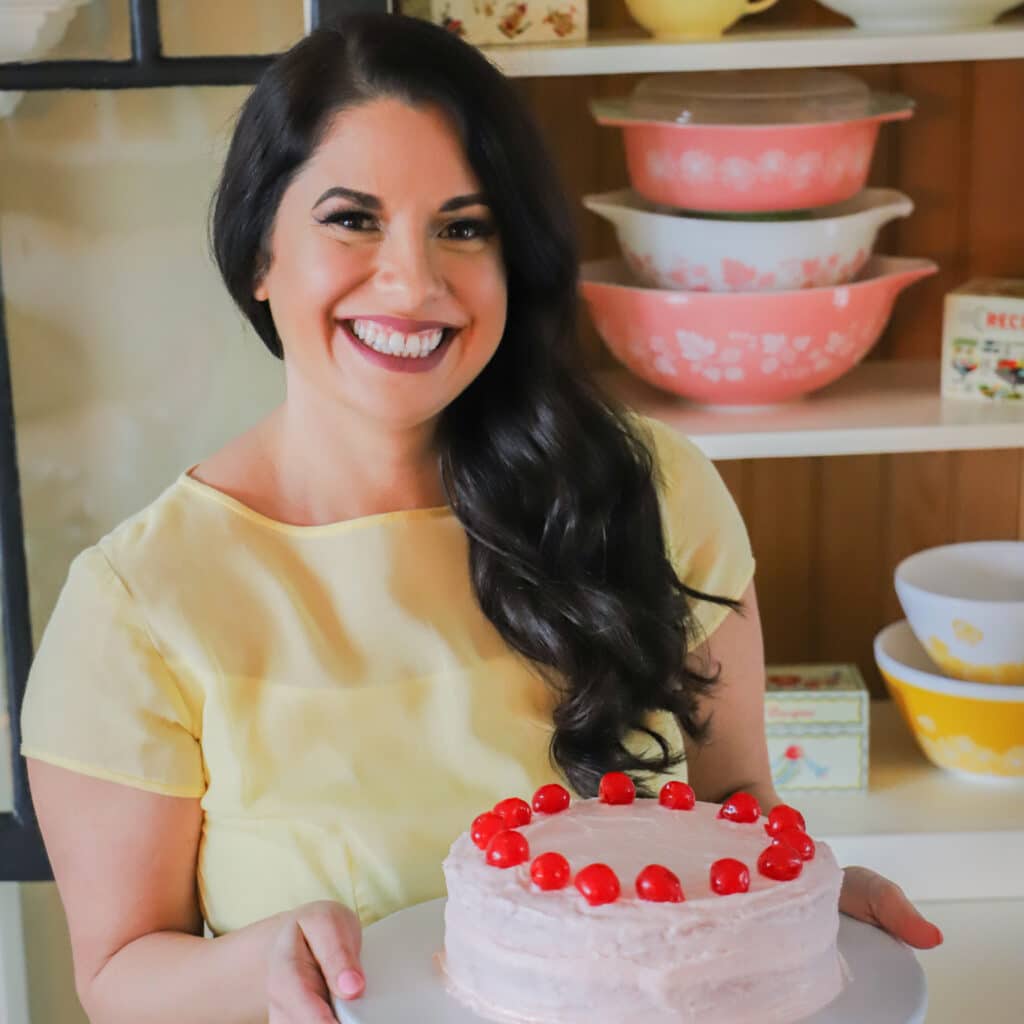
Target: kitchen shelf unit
(878,407)
(614,52)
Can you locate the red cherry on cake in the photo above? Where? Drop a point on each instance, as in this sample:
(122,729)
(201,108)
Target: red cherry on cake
(484,827)
(550,871)
(507,849)
(781,862)
(598,884)
(783,816)
(616,788)
(514,812)
(798,840)
(551,799)
(729,875)
(740,807)
(659,885)
(677,796)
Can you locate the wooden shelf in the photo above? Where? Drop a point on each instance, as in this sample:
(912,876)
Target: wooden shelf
(748,46)
(877,407)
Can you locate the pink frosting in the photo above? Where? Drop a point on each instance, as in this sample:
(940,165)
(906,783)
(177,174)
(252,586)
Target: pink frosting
(518,954)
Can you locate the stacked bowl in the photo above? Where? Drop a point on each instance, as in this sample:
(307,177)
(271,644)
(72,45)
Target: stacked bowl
(748,275)
(955,665)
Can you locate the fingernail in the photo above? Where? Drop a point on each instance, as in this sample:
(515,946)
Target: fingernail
(350,983)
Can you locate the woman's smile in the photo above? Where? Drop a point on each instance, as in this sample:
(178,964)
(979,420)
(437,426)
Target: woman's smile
(413,351)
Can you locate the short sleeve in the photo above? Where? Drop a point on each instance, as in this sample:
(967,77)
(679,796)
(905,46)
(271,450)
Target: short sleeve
(705,533)
(100,699)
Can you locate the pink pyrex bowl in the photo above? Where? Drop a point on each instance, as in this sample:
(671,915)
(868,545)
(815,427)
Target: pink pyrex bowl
(750,168)
(744,348)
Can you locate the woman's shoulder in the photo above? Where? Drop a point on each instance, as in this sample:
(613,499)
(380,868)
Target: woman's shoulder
(678,460)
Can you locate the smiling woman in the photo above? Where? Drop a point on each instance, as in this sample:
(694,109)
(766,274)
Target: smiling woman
(269,701)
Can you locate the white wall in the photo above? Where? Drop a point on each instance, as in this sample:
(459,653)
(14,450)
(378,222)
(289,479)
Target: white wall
(128,358)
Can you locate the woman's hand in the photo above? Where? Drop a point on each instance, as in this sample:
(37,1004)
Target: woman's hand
(315,955)
(869,897)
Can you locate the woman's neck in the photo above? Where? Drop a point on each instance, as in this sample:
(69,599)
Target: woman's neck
(349,467)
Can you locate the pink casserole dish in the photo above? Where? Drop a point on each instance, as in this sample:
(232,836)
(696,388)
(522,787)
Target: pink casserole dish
(750,142)
(744,348)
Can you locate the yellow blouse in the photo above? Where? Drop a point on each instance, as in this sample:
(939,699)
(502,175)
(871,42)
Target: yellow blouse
(333,695)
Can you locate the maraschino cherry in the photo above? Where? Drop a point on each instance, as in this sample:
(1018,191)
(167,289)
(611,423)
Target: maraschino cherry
(598,884)
(616,788)
(677,796)
(781,862)
(783,816)
(659,885)
(484,827)
(551,799)
(507,849)
(798,840)
(740,807)
(550,871)
(514,812)
(729,876)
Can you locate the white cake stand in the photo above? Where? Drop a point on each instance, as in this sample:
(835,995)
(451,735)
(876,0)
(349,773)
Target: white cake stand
(403,983)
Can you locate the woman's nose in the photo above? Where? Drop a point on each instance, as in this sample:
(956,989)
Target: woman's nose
(408,270)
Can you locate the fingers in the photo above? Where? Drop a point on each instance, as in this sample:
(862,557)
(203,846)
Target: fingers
(334,936)
(296,993)
(897,915)
(870,897)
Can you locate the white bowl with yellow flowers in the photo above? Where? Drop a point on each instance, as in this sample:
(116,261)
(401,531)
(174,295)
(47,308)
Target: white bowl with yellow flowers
(965,603)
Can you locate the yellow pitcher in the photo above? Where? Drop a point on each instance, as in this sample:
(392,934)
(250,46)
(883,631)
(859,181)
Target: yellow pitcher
(692,19)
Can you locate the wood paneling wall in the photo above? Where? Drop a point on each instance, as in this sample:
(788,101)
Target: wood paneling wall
(828,532)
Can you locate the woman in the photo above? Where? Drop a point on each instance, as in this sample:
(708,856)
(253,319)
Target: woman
(442,571)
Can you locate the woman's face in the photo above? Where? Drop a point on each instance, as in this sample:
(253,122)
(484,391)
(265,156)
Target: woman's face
(386,281)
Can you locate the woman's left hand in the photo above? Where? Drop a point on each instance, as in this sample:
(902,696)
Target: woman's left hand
(869,897)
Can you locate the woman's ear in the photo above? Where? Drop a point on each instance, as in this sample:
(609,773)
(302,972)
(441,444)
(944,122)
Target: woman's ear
(259,288)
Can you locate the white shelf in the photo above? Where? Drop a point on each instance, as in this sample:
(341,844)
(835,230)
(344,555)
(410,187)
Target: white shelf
(975,974)
(877,407)
(940,836)
(748,46)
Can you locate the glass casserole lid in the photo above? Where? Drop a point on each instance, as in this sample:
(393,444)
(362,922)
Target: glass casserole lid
(775,96)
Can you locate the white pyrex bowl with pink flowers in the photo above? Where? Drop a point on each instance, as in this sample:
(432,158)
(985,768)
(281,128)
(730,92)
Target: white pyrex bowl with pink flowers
(686,251)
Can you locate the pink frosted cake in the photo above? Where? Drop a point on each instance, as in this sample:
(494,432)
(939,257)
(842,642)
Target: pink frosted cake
(616,909)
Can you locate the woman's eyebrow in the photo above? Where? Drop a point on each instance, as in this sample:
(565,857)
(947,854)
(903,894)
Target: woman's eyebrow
(363,198)
(373,203)
(474,199)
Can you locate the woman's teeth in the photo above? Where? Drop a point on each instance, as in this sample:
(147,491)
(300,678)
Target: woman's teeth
(393,343)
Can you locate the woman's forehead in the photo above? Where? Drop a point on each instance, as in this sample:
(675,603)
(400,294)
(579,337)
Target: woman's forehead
(389,144)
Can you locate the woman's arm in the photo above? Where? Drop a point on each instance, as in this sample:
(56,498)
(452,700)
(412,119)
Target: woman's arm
(736,757)
(125,864)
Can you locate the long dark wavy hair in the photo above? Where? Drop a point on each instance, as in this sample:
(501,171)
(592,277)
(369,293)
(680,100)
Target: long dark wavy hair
(554,485)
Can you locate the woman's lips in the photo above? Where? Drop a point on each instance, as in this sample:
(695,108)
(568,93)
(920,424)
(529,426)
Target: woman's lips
(400,364)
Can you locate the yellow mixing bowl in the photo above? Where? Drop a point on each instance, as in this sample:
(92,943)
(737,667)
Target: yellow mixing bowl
(971,728)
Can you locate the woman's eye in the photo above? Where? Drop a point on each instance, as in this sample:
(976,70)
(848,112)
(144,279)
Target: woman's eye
(468,230)
(351,220)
